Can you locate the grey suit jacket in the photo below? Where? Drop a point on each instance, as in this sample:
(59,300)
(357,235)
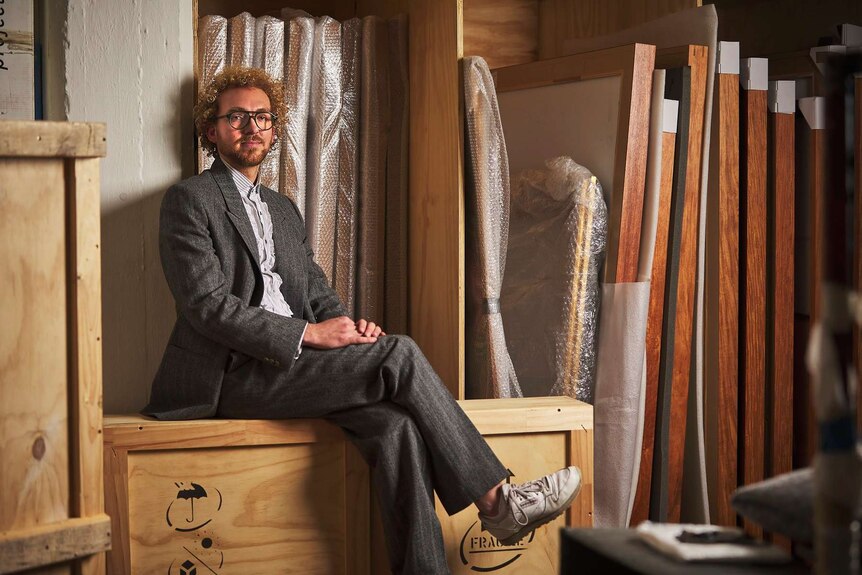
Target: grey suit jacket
(210,259)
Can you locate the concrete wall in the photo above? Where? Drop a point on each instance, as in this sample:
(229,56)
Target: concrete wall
(129,64)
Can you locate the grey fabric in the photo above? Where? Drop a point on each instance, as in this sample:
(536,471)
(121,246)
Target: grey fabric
(782,504)
(229,358)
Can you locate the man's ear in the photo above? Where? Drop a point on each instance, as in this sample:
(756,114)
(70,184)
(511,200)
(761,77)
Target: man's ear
(211,132)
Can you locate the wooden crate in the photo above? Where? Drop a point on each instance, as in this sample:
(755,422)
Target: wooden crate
(255,496)
(234,496)
(51,507)
(532,437)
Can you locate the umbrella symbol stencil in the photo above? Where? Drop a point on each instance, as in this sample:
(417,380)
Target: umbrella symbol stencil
(184,494)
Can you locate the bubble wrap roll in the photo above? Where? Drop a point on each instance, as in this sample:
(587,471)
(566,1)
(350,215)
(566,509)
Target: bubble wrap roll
(346,234)
(373,132)
(551,303)
(212,55)
(269,56)
(297,95)
(490,373)
(240,47)
(395,297)
(323,136)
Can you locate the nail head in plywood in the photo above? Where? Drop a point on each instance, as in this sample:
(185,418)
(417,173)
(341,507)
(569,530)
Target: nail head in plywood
(782,97)
(754,73)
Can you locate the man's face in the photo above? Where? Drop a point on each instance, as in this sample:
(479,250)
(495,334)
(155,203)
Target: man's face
(247,147)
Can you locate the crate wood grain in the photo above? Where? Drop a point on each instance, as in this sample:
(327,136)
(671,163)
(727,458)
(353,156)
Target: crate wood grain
(51,505)
(721,401)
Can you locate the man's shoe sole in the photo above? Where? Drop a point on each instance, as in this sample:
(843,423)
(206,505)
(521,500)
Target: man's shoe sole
(536,524)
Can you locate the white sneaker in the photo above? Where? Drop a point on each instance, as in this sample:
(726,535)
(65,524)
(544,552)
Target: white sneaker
(530,505)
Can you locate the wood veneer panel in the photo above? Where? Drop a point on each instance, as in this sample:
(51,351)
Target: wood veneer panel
(640,509)
(753,288)
(682,277)
(722,349)
(503,32)
(436,256)
(780,331)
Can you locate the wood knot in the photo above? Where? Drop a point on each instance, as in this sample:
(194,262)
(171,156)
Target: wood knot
(39,448)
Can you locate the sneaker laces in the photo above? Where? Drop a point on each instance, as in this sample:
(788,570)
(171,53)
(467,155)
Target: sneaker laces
(528,493)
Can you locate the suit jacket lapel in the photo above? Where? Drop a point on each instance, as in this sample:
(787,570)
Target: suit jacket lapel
(235,210)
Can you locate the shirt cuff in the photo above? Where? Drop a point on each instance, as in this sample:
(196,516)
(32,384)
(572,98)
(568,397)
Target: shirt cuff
(299,347)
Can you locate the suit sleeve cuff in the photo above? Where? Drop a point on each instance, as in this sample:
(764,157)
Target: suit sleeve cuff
(299,346)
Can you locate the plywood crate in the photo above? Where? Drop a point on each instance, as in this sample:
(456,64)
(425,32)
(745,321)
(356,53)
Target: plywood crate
(251,496)
(51,507)
(234,496)
(532,437)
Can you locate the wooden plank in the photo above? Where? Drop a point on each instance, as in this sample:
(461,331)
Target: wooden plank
(503,32)
(17,96)
(683,277)
(85,339)
(527,415)
(65,540)
(752,307)
(722,310)
(52,139)
(780,310)
(857,255)
(563,19)
(436,254)
(640,510)
(116,470)
(580,451)
(633,64)
(34,481)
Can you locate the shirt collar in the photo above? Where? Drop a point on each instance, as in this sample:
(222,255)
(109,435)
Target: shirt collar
(242,183)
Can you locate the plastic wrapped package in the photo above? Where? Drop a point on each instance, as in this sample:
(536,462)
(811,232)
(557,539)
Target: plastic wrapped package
(297,94)
(396,272)
(212,55)
(269,56)
(346,234)
(240,47)
(490,373)
(373,139)
(550,297)
(323,138)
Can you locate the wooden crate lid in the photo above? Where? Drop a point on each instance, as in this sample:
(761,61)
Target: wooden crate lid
(528,414)
(52,139)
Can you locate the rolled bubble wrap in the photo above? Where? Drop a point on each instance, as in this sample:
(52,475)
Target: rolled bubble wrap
(490,373)
(395,296)
(297,94)
(551,303)
(269,56)
(323,137)
(212,55)
(373,140)
(346,233)
(240,47)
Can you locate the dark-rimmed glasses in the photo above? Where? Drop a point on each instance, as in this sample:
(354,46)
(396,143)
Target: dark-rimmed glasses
(239,119)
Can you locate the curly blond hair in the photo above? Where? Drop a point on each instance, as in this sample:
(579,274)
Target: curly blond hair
(206,107)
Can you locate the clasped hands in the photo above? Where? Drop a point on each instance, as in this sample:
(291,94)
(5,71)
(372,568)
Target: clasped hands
(341,332)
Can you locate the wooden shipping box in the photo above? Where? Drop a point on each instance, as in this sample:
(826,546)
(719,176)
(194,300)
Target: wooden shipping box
(233,496)
(51,508)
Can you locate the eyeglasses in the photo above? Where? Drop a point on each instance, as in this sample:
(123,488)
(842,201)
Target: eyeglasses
(239,119)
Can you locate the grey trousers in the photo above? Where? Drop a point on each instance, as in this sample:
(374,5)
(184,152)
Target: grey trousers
(391,404)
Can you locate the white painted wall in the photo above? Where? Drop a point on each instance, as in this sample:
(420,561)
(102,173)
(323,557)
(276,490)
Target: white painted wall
(129,63)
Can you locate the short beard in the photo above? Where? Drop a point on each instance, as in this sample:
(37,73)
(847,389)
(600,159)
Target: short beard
(248,158)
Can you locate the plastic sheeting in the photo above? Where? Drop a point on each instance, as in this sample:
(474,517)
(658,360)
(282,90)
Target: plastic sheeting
(490,373)
(212,55)
(550,298)
(240,47)
(323,138)
(619,379)
(297,94)
(373,140)
(346,232)
(395,288)
(269,56)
